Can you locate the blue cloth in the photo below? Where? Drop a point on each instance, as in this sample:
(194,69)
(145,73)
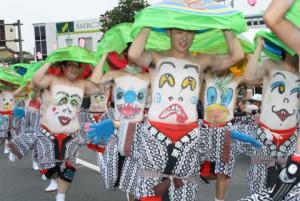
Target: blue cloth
(3,119)
(236,135)
(19,112)
(101,132)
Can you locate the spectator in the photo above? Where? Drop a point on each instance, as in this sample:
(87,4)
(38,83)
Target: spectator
(240,111)
(256,100)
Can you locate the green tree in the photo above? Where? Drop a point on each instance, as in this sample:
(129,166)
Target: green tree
(124,12)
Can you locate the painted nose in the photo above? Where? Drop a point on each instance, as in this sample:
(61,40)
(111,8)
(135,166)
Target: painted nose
(130,96)
(286,100)
(67,110)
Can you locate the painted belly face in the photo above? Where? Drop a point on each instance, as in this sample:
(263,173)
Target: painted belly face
(99,100)
(219,98)
(281,100)
(62,113)
(7,101)
(130,97)
(175,91)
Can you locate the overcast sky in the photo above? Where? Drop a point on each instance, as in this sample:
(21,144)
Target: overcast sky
(39,11)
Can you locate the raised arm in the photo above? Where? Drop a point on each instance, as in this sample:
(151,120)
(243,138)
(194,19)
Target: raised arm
(19,90)
(236,53)
(137,51)
(283,28)
(98,71)
(91,88)
(255,70)
(40,79)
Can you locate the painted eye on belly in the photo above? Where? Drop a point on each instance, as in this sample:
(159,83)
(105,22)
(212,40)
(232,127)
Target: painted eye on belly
(119,93)
(74,103)
(189,82)
(279,86)
(166,78)
(63,101)
(227,98)
(211,95)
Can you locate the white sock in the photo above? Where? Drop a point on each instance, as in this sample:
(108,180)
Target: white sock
(60,197)
(218,199)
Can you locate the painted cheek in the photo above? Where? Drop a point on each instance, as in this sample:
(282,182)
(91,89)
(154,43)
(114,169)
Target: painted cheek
(194,100)
(53,109)
(157,98)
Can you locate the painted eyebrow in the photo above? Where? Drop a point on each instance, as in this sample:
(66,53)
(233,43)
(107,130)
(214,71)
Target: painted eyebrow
(62,92)
(297,81)
(186,66)
(75,95)
(167,62)
(278,73)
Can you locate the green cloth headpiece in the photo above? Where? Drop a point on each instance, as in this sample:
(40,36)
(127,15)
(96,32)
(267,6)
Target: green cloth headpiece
(273,46)
(74,53)
(26,70)
(9,76)
(206,17)
(294,14)
(115,39)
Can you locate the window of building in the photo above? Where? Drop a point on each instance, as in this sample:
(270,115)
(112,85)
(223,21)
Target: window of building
(69,41)
(88,42)
(261,22)
(40,40)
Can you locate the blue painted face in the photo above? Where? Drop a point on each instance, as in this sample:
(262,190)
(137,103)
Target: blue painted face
(130,96)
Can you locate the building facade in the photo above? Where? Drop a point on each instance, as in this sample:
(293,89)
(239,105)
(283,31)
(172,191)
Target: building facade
(51,36)
(253,15)
(8,32)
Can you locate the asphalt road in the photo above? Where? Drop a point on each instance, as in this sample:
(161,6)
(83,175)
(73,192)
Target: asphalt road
(18,182)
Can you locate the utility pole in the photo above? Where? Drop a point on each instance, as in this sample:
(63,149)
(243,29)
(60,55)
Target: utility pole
(18,24)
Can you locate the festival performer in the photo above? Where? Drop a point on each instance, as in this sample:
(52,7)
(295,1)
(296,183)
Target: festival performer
(11,125)
(131,88)
(175,86)
(130,93)
(287,185)
(277,129)
(7,104)
(60,134)
(95,113)
(220,95)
